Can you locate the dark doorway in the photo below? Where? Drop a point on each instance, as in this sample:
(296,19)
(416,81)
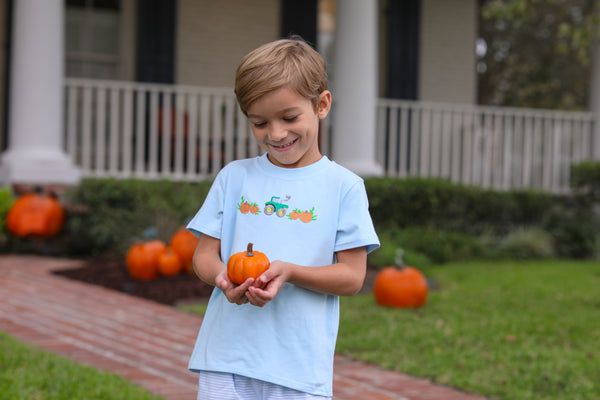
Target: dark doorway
(403,49)
(299,17)
(155,41)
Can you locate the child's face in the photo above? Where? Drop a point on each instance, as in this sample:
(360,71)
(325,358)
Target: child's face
(286,125)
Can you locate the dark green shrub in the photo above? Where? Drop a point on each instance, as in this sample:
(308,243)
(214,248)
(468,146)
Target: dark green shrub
(585,180)
(424,246)
(7,199)
(441,204)
(438,204)
(386,254)
(575,236)
(441,246)
(412,201)
(527,243)
(433,220)
(107,215)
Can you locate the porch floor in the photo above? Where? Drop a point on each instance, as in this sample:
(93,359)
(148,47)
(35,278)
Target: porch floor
(146,342)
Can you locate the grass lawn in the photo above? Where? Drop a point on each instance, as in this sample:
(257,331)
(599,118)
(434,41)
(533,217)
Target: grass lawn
(29,373)
(509,330)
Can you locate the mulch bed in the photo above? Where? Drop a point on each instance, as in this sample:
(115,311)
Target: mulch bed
(112,274)
(184,288)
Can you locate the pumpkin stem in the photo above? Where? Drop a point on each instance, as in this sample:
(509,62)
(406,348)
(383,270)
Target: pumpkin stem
(249,251)
(399,258)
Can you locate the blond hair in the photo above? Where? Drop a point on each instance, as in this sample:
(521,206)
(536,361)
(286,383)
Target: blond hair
(283,63)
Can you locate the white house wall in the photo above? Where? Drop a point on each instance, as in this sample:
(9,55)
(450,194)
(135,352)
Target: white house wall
(212,37)
(447,51)
(3,47)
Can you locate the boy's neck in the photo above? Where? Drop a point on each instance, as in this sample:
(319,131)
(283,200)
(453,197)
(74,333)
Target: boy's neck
(318,157)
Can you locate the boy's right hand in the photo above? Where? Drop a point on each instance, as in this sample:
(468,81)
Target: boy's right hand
(234,293)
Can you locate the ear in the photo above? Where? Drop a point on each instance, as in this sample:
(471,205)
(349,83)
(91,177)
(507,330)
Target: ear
(324,104)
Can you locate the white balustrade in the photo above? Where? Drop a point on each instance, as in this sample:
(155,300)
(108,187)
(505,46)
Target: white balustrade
(496,147)
(152,131)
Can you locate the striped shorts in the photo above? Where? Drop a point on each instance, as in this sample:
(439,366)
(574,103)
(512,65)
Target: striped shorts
(224,386)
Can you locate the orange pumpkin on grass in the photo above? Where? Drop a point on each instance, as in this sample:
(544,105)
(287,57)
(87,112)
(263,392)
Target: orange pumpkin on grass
(35,214)
(246,264)
(400,286)
(142,259)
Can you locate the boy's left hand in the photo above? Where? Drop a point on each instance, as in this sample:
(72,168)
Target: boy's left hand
(265,287)
(234,293)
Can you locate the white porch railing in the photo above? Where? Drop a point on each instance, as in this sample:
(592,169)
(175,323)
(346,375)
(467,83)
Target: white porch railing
(150,131)
(496,147)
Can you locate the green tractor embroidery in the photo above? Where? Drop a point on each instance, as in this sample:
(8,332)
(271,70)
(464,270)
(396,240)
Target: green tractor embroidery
(275,207)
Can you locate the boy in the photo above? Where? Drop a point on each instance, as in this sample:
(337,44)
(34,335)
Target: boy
(274,337)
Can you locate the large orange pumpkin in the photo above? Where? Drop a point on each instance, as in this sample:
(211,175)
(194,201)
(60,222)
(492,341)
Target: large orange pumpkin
(37,215)
(400,286)
(183,243)
(142,259)
(169,263)
(246,264)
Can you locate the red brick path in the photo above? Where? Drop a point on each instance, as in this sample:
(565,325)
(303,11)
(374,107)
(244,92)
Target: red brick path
(146,342)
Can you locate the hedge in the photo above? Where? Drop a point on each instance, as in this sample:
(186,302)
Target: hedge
(105,216)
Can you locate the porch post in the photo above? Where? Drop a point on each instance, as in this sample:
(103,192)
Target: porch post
(35,130)
(354,86)
(595,95)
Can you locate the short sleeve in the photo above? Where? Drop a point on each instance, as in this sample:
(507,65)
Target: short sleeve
(209,219)
(355,226)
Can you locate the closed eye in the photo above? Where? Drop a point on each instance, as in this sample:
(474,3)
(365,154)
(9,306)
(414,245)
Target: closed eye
(259,124)
(291,119)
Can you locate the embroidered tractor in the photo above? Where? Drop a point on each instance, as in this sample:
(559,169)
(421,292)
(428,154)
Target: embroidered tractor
(276,207)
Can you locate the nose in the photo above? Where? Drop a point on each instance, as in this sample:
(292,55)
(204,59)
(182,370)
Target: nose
(277,132)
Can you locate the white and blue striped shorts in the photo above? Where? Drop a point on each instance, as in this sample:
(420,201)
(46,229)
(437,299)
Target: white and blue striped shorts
(225,386)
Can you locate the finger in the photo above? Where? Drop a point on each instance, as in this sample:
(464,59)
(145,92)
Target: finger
(261,282)
(249,282)
(259,296)
(254,300)
(235,293)
(242,300)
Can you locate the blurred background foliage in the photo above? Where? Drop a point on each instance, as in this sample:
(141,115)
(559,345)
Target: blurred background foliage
(536,53)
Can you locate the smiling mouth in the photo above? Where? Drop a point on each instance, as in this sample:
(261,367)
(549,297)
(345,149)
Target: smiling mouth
(285,145)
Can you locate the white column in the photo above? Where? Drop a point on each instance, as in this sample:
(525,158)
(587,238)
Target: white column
(595,97)
(35,153)
(354,86)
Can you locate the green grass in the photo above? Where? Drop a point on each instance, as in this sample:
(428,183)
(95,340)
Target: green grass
(511,330)
(29,373)
(194,308)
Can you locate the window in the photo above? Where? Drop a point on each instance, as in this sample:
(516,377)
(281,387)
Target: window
(93,37)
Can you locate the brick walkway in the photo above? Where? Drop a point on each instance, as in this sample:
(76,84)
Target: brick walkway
(146,342)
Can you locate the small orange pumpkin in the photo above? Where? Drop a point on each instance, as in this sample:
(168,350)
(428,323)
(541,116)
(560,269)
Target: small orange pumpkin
(246,264)
(183,243)
(142,259)
(169,263)
(400,286)
(35,214)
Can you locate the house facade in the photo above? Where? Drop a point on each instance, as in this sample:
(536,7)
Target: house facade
(419,50)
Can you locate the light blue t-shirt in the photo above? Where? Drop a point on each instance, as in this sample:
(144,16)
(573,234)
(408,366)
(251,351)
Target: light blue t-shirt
(303,216)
